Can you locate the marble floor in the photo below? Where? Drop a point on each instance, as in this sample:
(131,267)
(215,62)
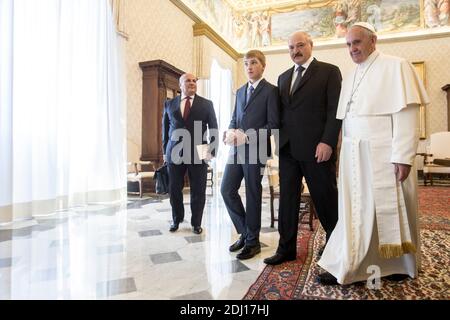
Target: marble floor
(127,252)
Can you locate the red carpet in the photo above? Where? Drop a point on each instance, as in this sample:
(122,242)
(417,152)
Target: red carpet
(296,280)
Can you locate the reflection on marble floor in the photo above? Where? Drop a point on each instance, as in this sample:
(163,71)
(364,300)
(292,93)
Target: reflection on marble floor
(127,252)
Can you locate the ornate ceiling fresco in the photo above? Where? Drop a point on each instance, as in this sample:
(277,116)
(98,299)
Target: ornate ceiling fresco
(266,24)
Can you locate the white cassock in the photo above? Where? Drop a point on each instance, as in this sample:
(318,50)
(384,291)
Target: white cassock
(378,221)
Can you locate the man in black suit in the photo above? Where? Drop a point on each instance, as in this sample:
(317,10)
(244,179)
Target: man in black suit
(308,137)
(256,112)
(186,120)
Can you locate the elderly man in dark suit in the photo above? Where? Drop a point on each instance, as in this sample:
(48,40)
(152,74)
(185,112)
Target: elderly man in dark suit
(186,120)
(309,133)
(256,112)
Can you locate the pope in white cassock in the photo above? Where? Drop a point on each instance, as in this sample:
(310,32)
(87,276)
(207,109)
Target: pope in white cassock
(377,227)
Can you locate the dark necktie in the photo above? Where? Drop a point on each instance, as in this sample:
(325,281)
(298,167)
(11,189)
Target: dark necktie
(187,108)
(297,80)
(249,93)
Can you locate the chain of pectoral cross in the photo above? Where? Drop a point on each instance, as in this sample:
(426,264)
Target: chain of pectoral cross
(360,80)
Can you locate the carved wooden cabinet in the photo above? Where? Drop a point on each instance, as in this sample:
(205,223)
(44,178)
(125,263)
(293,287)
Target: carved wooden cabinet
(159,82)
(446,88)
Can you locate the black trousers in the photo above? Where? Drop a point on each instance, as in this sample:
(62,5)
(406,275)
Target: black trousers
(197,174)
(321,180)
(247,221)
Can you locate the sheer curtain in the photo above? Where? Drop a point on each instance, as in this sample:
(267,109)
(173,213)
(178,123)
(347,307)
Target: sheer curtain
(62,107)
(218,89)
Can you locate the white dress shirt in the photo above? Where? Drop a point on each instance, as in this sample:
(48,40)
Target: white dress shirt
(295,74)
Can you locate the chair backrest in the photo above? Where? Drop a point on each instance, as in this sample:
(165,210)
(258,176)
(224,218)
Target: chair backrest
(274,178)
(272,171)
(440,145)
(131,167)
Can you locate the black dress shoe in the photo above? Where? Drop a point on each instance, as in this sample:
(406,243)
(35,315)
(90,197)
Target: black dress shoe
(278,258)
(327,279)
(197,230)
(249,252)
(238,245)
(396,277)
(173,227)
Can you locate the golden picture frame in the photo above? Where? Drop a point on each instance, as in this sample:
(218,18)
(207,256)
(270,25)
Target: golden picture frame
(118,11)
(420,70)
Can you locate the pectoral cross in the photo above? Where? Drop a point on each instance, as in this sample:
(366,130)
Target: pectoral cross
(349,103)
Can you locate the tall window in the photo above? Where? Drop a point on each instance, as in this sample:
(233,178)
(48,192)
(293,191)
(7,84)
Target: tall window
(219,90)
(62,102)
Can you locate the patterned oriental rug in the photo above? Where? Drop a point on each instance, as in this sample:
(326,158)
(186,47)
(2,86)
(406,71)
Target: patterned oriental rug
(296,280)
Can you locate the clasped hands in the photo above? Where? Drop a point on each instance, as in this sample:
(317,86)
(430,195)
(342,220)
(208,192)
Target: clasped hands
(234,137)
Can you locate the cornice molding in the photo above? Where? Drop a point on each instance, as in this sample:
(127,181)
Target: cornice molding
(180,5)
(280,4)
(202,29)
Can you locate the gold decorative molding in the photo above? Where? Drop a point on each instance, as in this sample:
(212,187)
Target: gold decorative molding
(420,70)
(180,5)
(254,5)
(118,11)
(202,29)
(300,6)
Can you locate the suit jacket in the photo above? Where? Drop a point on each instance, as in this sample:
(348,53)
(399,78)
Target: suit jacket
(261,112)
(309,116)
(202,110)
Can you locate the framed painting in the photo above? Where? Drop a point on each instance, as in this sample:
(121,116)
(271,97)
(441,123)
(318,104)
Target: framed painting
(420,70)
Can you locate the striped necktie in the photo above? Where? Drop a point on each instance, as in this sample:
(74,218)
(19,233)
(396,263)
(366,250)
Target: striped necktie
(249,93)
(297,80)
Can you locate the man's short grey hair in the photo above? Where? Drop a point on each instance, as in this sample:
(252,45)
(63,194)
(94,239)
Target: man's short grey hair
(306,34)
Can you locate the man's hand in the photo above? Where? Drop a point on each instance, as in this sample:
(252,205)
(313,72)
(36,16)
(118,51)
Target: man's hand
(323,152)
(228,137)
(224,137)
(209,156)
(164,158)
(240,137)
(401,171)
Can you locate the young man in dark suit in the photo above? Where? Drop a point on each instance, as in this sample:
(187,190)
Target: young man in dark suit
(186,119)
(309,94)
(256,112)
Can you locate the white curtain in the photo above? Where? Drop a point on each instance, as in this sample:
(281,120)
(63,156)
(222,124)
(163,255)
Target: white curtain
(62,107)
(219,90)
